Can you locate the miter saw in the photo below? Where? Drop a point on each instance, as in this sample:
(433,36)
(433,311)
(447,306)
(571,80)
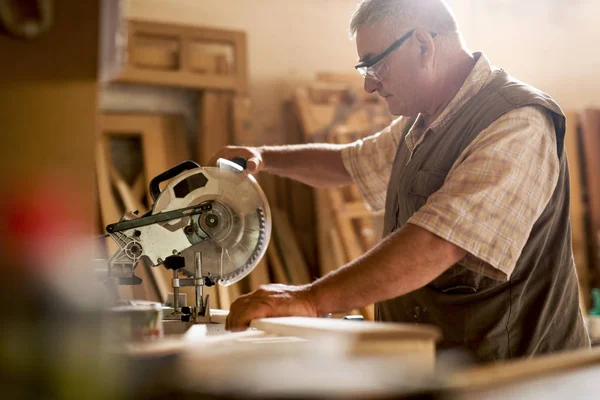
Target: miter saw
(211,225)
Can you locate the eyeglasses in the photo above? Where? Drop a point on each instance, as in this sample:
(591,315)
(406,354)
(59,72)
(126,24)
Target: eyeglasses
(373,69)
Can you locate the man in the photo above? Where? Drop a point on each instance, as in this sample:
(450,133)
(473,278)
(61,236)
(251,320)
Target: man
(475,186)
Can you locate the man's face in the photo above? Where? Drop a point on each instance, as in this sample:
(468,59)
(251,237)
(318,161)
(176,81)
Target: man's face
(404,84)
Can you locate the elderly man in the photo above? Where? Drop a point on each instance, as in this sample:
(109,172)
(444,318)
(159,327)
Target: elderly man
(474,181)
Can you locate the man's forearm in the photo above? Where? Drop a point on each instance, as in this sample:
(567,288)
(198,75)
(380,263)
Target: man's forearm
(405,261)
(317,165)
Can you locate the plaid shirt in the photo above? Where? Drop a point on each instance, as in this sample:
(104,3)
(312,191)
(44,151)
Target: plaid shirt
(508,173)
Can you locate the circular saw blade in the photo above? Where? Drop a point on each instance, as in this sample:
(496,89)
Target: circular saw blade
(234,235)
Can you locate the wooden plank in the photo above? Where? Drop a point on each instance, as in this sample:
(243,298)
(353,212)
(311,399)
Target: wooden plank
(336,248)
(325,224)
(176,142)
(214,124)
(300,201)
(289,249)
(351,243)
(242,121)
(267,184)
(577,207)
(129,200)
(139,187)
(198,335)
(259,276)
(279,273)
(590,123)
(317,327)
(355,209)
(512,371)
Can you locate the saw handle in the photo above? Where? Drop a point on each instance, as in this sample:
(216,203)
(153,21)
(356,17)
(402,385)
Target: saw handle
(240,161)
(169,174)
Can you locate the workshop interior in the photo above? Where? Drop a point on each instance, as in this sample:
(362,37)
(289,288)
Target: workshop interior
(125,243)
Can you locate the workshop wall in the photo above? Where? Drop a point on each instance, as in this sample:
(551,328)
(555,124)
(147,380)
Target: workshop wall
(544,43)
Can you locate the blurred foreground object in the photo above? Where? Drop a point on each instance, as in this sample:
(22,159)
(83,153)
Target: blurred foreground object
(27,19)
(51,341)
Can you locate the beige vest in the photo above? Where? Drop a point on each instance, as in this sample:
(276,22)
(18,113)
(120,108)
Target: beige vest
(537,310)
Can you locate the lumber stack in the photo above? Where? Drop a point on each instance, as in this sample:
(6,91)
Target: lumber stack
(335,109)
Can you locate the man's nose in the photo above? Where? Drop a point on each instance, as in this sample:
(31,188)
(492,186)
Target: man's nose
(370,86)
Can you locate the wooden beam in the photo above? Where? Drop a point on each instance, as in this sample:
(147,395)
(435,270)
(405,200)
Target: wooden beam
(214,124)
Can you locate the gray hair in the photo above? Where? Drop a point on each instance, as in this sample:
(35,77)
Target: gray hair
(433,15)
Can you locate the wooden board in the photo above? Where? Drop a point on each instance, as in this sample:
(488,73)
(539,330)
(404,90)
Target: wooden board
(299,203)
(577,207)
(280,275)
(260,275)
(242,121)
(289,250)
(590,123)
(508,372)
(317,327)
(214,124)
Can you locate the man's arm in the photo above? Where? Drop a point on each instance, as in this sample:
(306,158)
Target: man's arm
(317,165)
(405,261)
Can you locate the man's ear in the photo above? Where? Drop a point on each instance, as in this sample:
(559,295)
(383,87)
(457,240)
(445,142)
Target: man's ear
(426,46)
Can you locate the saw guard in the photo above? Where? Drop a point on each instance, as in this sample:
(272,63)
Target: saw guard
(242,232)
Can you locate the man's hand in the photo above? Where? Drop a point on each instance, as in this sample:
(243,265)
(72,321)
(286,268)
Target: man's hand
(271,301)
(254,161)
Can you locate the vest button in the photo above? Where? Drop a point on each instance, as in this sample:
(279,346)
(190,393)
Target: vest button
(417,314)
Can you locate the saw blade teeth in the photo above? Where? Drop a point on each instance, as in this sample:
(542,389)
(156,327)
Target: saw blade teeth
(258,249)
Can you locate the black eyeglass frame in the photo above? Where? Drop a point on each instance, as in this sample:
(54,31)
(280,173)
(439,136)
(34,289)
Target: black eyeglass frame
(393,46)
